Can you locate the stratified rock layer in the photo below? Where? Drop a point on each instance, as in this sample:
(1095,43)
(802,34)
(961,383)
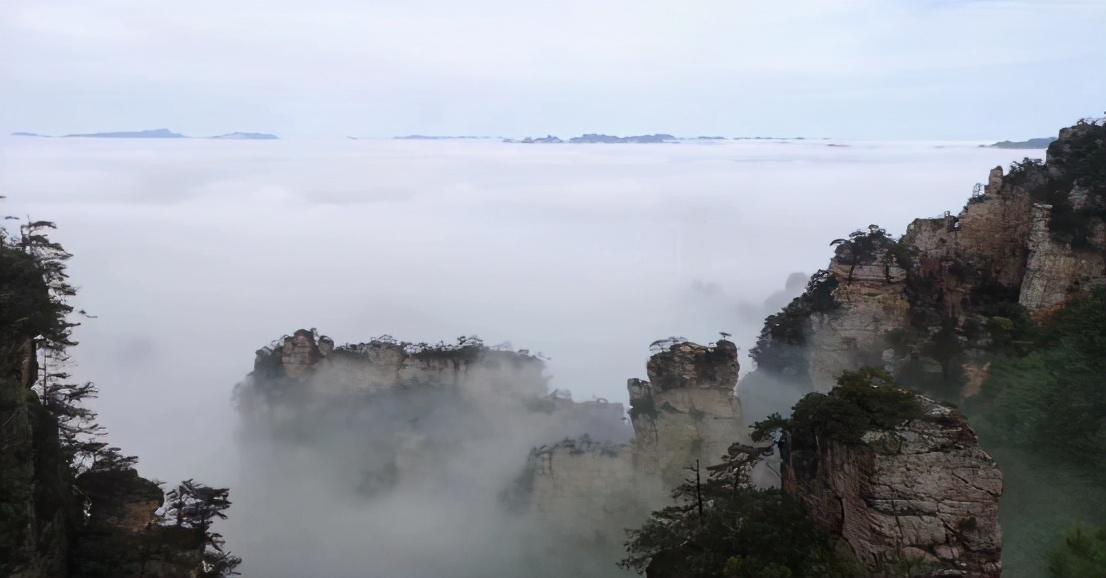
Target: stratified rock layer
(687,412)
(685,415)
(924,491)
(914,306)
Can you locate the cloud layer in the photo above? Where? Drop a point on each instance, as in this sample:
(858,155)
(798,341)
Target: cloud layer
(195,253)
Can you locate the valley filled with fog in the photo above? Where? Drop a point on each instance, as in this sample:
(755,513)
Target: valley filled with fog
(192,254)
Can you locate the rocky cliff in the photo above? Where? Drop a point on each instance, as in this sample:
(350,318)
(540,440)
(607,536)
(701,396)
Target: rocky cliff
(922,492)
(685,416)
(415,407)
(687,412)
(35,502)
(69,504)
(931,305)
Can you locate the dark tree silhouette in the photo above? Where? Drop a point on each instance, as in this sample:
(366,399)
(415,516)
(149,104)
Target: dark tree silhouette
(195,505)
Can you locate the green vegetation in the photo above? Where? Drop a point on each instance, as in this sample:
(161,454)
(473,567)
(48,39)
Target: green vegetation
(872,247)
(722,527)
(193,506)
(1052,399)
(1042,415)
(863,401)
(1082,554)
(1076,161)
(779,346)
(63,491)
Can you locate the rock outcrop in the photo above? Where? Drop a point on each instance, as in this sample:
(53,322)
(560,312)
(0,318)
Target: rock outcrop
(120,500)
(589,491)
(315,366)
(923,491)
(1055,272)
(1034,238)
(34,484)
(872,303)
(687,412)
(599,479)
(54,522)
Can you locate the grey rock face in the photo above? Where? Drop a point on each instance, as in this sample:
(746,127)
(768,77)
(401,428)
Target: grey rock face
(924,490)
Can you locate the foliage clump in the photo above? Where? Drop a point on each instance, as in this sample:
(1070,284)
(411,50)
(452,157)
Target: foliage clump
(864,400)
(871,247)
(779,346)
(52,449)
(1081,554)
(721,526)
(1076,161)
(1051,399)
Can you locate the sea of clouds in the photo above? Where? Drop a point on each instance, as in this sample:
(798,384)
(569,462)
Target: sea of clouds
(192,254)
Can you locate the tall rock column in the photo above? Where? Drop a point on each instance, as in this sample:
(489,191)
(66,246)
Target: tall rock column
(687,411)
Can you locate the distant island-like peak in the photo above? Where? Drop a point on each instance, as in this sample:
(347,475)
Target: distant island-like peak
(1033,143)
(149,133)
(246,136)
(598,138)
(155,133)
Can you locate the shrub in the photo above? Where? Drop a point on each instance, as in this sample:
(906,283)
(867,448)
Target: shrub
(723,527)
(863,401)
(1081,554)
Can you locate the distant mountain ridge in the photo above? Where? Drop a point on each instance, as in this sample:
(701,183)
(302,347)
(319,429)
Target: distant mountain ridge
(599,138)
(245,136)
(158,133)
(1033,143)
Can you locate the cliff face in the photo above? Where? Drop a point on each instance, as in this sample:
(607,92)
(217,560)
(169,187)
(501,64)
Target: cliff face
(1055,272)
(685,414)
(923,491)
(872,303)
(1034,238)
(52,522)
(414,407)
(34,496)
(320,369)
(687,411)
(589,491)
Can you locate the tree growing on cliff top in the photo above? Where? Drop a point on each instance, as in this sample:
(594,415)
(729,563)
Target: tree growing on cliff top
(864,400)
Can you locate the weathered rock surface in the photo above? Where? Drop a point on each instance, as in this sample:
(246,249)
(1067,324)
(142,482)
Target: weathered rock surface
(873,303)
(924,490)
(588,490)
(948,273)
(687,412)
(306,363)
(120,500)
(1056,272)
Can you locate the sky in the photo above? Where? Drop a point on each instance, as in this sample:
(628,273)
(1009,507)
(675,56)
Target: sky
(976,69)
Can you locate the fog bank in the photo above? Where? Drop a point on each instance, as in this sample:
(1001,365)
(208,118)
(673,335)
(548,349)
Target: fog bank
(193,254)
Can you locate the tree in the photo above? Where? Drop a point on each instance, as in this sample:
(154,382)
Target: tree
(1082,554)
(864,400)
(195,506)
(724,527)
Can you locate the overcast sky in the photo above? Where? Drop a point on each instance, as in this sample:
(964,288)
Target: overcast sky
(328,68)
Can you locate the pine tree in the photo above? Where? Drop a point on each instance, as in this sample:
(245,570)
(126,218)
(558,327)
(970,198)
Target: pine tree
(195,505)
